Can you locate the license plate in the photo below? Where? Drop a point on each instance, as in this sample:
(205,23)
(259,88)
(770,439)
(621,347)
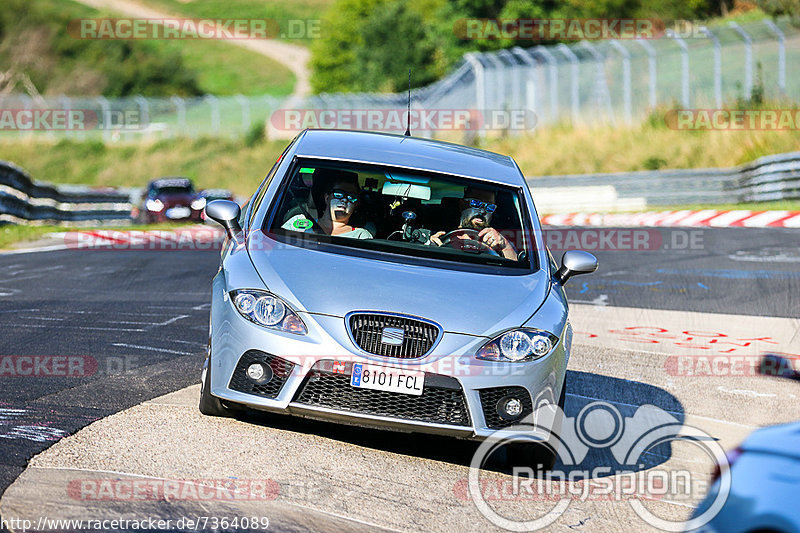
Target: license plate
(178,212)
(388,379)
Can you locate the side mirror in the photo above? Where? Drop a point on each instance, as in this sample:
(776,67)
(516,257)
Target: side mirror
(575,262)
(225,213)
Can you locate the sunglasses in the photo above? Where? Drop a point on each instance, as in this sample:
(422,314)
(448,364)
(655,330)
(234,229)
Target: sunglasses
(341,195)
(477,204)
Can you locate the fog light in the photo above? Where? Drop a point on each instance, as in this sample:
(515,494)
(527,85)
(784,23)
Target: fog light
(257,372)
(509,407)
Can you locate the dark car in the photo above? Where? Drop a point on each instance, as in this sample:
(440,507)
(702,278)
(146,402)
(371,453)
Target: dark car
(209,195)
(168,199)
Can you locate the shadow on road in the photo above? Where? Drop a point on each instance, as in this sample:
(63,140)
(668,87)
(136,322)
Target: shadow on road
(584,392)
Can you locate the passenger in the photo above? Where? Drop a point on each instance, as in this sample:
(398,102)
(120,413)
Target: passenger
(477,207)
(339,203)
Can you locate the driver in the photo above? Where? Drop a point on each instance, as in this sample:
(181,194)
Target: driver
(477,207)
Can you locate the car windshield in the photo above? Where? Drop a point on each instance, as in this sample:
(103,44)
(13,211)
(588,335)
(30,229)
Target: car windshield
(400,211)
(171,191)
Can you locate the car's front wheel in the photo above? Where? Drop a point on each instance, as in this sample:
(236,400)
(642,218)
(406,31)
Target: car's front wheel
(541,457)
(211,405)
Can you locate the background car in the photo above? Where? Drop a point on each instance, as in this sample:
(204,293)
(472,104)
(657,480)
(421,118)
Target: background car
(212,194)
(764,474)
(377,325)
(171,199)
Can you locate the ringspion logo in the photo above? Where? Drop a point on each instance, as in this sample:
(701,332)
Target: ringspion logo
(599,426)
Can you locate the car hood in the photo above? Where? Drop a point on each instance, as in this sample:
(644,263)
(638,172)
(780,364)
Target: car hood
(461,302)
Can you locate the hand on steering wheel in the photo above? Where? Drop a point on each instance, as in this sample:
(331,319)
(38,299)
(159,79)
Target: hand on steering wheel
(467,240)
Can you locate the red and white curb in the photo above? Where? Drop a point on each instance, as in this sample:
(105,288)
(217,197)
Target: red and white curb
(681,219)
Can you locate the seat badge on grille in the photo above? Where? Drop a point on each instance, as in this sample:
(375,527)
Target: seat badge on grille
(393,336)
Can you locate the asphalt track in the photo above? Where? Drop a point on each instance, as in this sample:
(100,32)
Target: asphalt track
(133,325)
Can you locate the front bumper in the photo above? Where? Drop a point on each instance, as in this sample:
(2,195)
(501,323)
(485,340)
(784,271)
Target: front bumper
(161,216)
(459,397)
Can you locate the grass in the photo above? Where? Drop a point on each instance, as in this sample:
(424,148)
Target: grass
(565,150)
(211,163)
(225,69)
(11,234)
(232,164)
(60,63)
(279,10)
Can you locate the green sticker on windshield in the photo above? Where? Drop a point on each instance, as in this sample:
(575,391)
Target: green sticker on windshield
(302,223)
(306,170)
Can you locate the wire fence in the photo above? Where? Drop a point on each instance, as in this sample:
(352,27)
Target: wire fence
(133,118)
(607,82)
(615,82)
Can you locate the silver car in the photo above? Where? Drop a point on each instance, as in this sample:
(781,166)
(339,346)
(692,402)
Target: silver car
(764,475)
(389,282)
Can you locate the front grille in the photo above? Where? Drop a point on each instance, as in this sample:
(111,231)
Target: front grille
(489,398)
(418,336)
(280,372)
(441,402)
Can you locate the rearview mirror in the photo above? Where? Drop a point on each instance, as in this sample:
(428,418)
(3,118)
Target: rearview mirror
(575,262)
(225,213)
(407,190)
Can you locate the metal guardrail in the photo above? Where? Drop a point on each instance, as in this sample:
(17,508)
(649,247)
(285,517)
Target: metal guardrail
(766,179)
(771,178)
(24,201)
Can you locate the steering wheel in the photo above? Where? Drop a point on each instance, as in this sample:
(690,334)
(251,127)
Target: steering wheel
(471,244)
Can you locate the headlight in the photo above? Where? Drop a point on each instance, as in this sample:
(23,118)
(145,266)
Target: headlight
(518,345)
(154,205)
(267,310)
(198,204)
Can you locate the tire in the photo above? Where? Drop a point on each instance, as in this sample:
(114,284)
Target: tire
(563,398)
(540,457)
(211,405)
